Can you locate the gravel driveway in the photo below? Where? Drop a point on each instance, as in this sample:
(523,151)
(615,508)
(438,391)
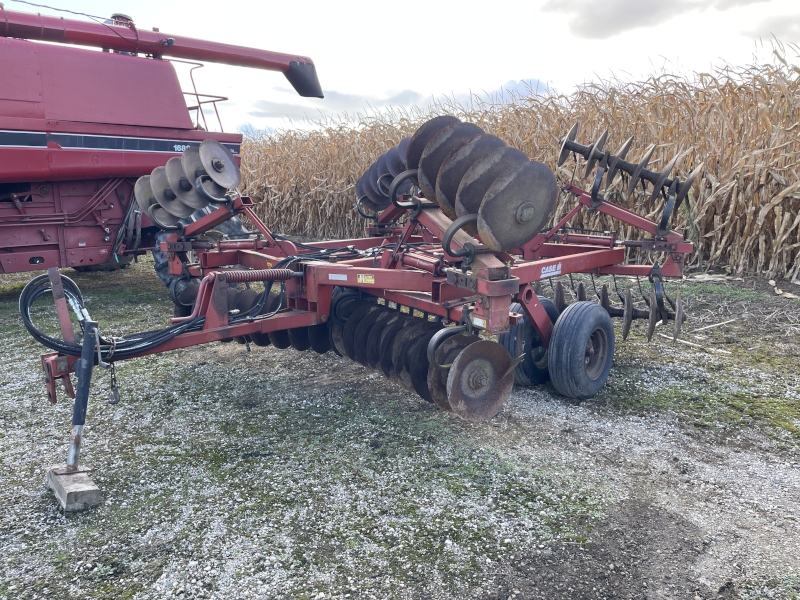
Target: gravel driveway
(278,474)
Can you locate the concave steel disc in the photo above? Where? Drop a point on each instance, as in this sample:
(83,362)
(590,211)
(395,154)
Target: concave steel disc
(438,149)
(262,339)
(193,168)
(244,302)
(164,195)
(387,343)
(402,150)
(412,352)
(480,381)
(386,318)
(480,177)
(144,193)
(349,332)
(181,185)
(363,198)
(298,338)
(362,333)
(372,181)
(517,205)
(403,341)
(418,366)
(369,190)
(345,308)
(384,175)
(319,338)
(161,217)
(220,164)
(445,355)
(394,162)
(280,338)
(423,135)
(457,163)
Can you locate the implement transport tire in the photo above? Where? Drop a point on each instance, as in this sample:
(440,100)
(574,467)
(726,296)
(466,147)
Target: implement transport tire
(581,350)
(533,369)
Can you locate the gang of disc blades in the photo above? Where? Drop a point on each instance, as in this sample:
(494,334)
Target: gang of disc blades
(363,330)
(480,177)
(517,206)
(164,195)
(445,355)
(438,149)
(418,344)
(387,343)
(373,181)
(160,217)
(423,135)
(244,302)
(394,162)
(319,338)
(220,164)
(370,192)
(418,367)
(614,159)
(193,168)
(279,339)
(401,362)
(457,163)
(181,185)
(386,318)
(402,150)
(384,175)
(298,338)
(480,381)
(344,309)
(349,332)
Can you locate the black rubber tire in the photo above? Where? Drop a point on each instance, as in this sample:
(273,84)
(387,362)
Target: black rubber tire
(570,372)
(527,372)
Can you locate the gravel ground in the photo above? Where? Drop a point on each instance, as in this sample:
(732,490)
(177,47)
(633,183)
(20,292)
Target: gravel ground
(278,474)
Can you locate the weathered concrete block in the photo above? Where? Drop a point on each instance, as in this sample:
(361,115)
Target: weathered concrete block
(74,490)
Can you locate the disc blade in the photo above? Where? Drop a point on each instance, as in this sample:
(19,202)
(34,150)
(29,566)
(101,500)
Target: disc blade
(558,297)
(445,355)
(481,175)
(516,206)
(563,152)
(181,185)
(597,147)
(394,162)
(627,313)
(615,158)
(319,338)
(161,217)
(457,164)
(349,332)
(639,167)
(362,333)
(386,318)
(244,302)
(687,185)
(419,365)
(220,164)
(662,177)
(372,181)
(192,166)
(387,343)
(480,381)
(262,339)
(402,150)
(423,135)
(164,195)
(144,193)
(384,176)
(298,338)
(438,149)
(402,342)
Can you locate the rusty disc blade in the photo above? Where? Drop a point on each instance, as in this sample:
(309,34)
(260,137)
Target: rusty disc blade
(436,152)
(445,355)
(613,161)
(403,341)
(558,297)
(418,366)
(516,206)
(372,182)
(394,161)
(423,135)
(319,338)
(481,175)
(349,332)
(164,195)
(181,185)
(648,154)
(298,338)
(386,318)
(596,147)
(480,381)
(362,332)
(654,316)
(680,317)
(220,164)
(455,166)
(683,191)
(387,343)
(244,302)
(662,177)
(344,309)
(563,152)
(604,299)
(627,313)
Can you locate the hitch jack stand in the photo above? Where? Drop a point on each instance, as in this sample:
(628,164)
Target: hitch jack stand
(71,483)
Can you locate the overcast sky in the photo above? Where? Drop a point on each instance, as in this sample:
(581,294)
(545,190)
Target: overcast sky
(379,54)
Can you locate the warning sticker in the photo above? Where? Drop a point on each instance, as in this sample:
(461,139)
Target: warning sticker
(337,277)
(364,278)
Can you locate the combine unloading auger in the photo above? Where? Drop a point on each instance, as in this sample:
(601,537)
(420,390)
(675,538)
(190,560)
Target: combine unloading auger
(444,296)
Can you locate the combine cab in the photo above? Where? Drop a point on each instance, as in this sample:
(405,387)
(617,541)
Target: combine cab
(79,126)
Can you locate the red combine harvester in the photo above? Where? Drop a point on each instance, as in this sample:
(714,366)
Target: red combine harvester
(79,126)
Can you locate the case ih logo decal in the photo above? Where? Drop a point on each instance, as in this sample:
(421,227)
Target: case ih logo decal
(551,270)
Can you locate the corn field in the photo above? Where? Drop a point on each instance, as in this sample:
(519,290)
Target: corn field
(742,123)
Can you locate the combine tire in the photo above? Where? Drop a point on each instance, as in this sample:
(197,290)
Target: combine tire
(581,350)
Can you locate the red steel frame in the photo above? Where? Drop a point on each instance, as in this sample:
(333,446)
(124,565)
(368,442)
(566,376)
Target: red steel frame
(422,277)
